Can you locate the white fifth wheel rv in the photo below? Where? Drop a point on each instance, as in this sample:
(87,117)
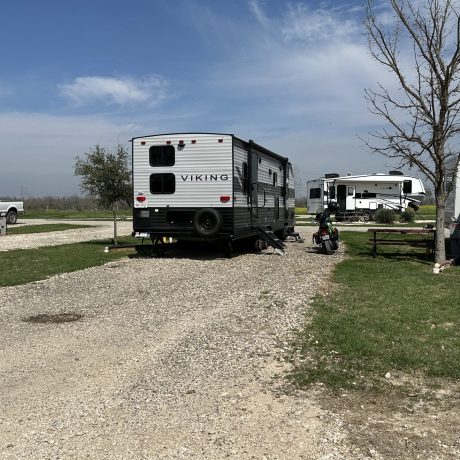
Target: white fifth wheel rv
(362,195)
(199,186)
(453,201)
(452,213)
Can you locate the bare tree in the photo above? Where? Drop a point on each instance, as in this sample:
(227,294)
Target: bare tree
(423,113)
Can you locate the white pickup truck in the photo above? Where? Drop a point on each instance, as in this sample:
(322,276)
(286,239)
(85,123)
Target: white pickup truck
(11,209)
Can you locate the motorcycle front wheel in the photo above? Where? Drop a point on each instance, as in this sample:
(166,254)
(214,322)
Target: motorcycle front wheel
(327,245)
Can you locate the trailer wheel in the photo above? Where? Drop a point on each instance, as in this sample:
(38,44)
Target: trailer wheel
(11,217)
(207,222)
(282,234)
(228,248)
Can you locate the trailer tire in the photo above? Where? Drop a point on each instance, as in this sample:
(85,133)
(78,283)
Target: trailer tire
(207,222)
(11,217)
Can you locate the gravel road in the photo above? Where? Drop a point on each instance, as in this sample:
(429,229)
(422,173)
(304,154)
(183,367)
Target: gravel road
(100,230)
(173,358)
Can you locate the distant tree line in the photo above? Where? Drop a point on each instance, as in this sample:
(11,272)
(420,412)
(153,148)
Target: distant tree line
(62,203)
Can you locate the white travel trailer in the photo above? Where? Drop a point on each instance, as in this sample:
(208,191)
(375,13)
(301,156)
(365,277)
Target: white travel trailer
(201,186)
(362,195)
(453,200)
(452,213)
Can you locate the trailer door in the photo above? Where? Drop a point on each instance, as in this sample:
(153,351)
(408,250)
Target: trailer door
(351,200)
(254,187)
(342,197)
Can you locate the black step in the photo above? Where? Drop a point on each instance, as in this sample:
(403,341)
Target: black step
(271,239)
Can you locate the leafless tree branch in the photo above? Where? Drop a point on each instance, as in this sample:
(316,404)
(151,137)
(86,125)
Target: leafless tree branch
(423,116)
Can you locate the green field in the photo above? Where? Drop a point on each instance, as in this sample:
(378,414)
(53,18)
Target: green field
(27,265)
(386,314)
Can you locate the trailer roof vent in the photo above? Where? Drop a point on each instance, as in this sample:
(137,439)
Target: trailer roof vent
(331,175)
(396,173)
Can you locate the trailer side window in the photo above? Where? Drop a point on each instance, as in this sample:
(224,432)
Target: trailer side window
(407,186)
(162,184)
(275,179)
(332,192)
(369,195)
(315,193)
(162,155)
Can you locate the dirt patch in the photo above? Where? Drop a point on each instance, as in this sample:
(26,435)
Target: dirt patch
(414,418)
(56,318)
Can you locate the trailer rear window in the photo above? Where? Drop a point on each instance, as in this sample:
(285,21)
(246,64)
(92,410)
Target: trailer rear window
(162,184)
(162,155)
(315,193)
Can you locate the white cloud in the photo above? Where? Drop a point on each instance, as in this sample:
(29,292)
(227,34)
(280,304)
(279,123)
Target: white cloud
(123,91)
(305,24)
(258,13)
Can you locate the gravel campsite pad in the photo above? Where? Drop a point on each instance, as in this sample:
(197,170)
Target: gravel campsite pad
(99,230)
(175,357)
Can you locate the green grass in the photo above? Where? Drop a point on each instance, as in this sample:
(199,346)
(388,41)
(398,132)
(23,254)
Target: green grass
(13,230)
(427,210)
(27,265)
(387,314)
(69,214)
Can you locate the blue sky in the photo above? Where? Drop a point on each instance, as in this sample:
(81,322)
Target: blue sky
(288,74)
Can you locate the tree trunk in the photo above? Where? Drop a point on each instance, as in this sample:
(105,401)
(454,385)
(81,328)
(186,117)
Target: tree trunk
(440,247)
(115,242)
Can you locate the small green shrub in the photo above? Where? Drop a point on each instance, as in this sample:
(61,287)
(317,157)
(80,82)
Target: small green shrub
(384,216)
(407,216)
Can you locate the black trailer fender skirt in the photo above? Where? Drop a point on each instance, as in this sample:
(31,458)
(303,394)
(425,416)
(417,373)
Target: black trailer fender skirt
(207,222)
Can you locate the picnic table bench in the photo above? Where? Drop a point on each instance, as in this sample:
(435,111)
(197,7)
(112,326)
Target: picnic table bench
(424,237)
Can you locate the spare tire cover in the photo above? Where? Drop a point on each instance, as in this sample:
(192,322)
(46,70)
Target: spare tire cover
(207,222)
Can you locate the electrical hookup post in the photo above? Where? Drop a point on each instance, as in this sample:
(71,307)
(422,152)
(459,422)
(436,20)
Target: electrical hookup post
(3,224)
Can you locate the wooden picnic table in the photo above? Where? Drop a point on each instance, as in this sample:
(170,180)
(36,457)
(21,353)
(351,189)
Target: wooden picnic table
(383,236)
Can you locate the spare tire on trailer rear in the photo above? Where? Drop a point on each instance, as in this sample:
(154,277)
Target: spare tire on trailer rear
(207,222)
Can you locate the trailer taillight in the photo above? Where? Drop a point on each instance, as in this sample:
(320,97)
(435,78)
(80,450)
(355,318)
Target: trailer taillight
(140,198)
(142,142)
(168,142)
(224,199)
(220,141)
(193,141)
